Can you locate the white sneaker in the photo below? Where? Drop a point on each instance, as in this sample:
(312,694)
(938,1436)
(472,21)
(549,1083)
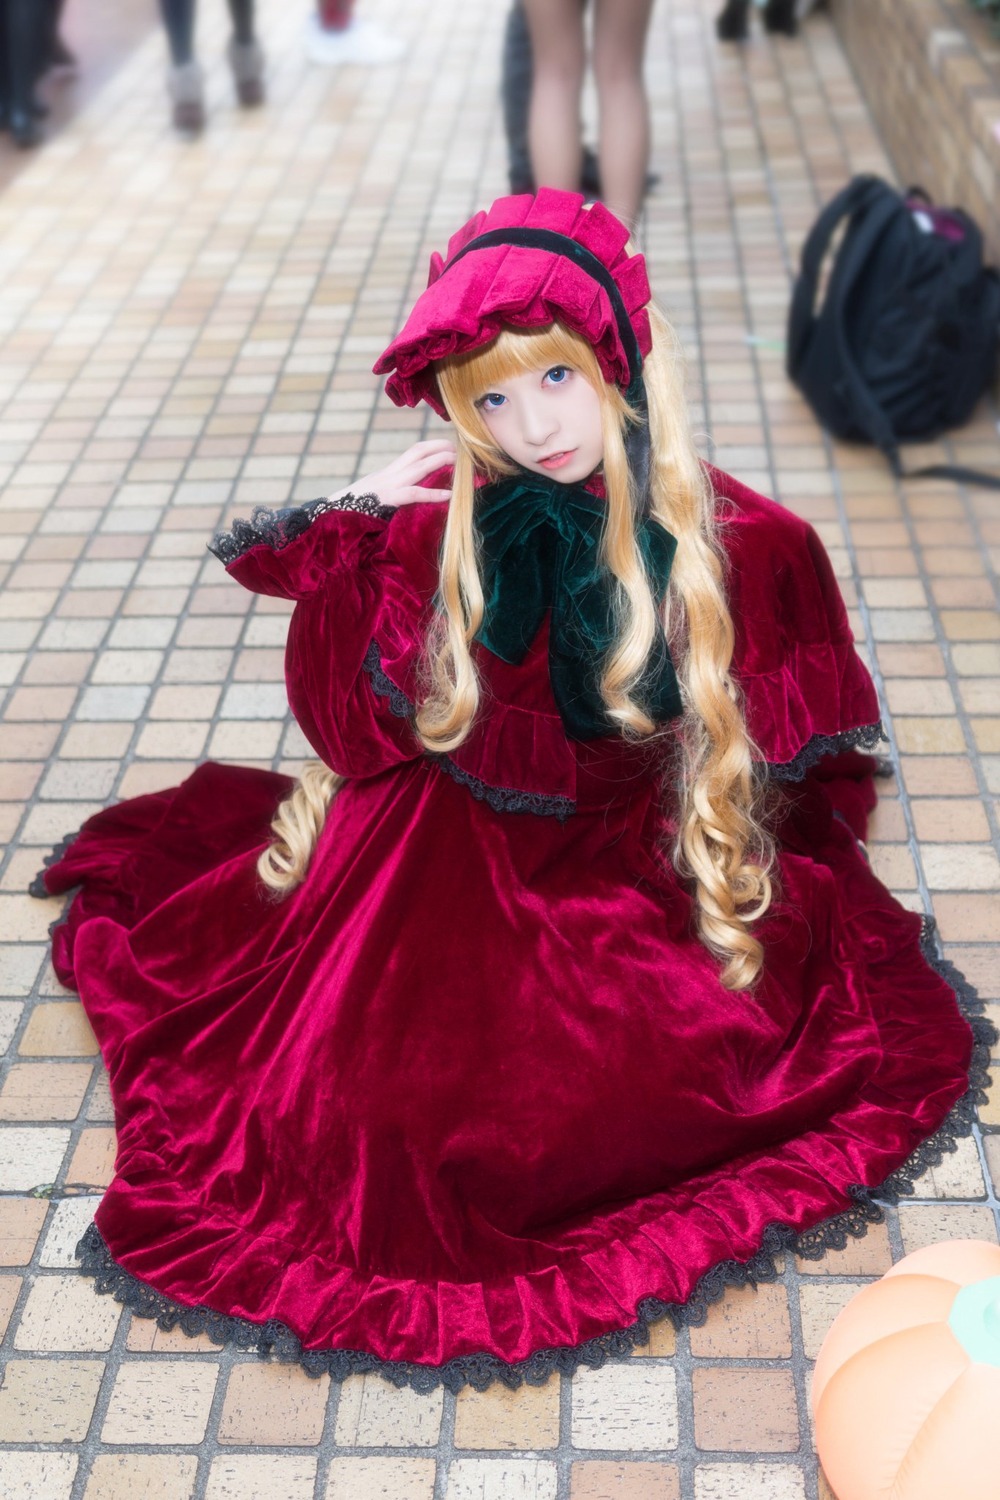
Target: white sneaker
(362,43)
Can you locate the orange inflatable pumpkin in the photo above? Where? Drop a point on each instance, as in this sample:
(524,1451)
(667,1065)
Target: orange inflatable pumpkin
(906,1392)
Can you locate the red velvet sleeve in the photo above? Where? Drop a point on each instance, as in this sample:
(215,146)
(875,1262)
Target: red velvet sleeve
(806,692)
(290,554)
(362,604)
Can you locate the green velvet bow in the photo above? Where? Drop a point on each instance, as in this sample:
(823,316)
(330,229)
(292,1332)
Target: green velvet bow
(540,550)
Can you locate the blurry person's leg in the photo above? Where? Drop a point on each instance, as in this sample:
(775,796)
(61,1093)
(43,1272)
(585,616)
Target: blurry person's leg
(184,79)
(24,24)
(241,12)
(515,89)
(245,57)
(57,55)
(4,69)
(620,30)
(732,24)
(178,18)
(558,52)
(335,35)
(780,16)
(515,92)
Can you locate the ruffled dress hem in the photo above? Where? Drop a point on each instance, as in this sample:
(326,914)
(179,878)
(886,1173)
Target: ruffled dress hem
(276,1340)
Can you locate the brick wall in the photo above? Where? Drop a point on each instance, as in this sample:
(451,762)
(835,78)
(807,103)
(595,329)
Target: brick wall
(931,72)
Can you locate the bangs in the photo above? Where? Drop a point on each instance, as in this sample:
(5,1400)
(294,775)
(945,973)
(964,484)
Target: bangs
(516,351)
(463,378)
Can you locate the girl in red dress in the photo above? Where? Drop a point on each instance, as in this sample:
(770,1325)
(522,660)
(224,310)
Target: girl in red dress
(558,994)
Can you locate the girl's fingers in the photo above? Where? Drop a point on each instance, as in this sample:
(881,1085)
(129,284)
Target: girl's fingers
(427,445)
(428,460)
(399,483)
(417,495)
(413,474)
(432,445)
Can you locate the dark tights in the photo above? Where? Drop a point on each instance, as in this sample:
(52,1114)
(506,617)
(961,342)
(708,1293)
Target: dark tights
(24,27)
(178,18)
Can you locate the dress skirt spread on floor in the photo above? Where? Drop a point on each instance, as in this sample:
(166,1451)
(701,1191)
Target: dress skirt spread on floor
(471,1102)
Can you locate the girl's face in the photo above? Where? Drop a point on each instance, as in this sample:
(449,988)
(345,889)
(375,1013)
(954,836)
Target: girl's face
(547,420)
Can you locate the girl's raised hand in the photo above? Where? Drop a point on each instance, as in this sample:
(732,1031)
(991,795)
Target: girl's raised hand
(399,483)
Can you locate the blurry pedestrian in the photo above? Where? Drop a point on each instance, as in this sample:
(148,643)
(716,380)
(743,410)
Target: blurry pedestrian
(185,80)
(559,58)
(334,35)
(23,26)
(515,90)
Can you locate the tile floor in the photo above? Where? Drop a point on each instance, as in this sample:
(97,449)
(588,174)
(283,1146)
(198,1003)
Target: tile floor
(186,331)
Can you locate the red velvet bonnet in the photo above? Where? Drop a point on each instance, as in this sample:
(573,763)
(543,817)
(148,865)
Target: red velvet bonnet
(471,296)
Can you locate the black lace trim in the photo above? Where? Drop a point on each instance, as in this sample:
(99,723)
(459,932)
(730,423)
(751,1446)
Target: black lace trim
(40,891)
(864,738)
(499,798)
(959,1123)
(277,528)
(506,798)
(481,1370)
(399,703)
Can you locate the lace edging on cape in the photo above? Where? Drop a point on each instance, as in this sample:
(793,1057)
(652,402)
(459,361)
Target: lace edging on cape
(866,737)
(275,1339)
(500,798)
(507,799)
(278,528)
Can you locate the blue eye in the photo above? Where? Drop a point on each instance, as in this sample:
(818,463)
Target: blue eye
(492,401)
(557,375)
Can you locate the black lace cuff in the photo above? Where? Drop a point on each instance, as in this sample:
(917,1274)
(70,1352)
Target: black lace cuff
(821,745)
(277,528)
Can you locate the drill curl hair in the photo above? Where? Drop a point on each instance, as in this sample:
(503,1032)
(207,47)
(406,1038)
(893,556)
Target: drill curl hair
(721,844)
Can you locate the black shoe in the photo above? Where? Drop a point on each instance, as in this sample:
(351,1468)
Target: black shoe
(733,24)
(779,16)
(186,88)
(590,176)
(247,63)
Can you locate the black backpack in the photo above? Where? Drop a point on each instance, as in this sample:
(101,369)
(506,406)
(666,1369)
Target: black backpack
(906,339)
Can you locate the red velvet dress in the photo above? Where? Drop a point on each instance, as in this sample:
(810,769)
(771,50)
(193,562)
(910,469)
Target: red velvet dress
(471,1102)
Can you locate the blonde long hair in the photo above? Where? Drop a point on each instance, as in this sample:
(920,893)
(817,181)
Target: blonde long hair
(721,844)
